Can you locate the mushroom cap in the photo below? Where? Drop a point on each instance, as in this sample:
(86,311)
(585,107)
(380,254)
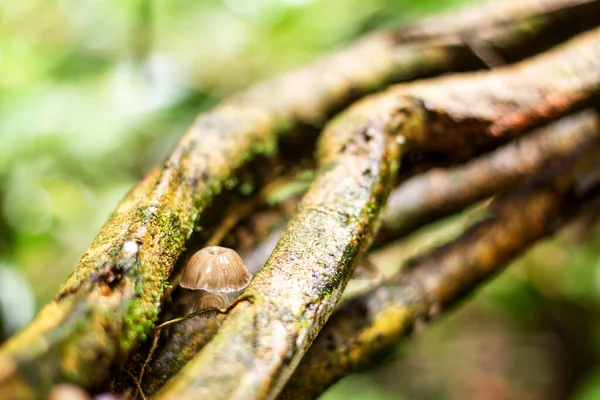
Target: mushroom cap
(215,269)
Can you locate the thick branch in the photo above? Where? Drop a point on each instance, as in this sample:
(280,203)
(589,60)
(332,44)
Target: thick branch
(441,192)
(303,279)
(445,192)
(364,328)
(465,113)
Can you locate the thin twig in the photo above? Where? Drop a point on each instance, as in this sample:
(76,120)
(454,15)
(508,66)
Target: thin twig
(137,384)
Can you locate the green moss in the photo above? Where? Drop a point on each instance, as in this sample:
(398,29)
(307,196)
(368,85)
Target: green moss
(304,324)
(114,251)
(267,146)
(372,209)
(285,125)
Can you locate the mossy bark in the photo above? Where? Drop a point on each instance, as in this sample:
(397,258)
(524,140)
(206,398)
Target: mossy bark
(444,191)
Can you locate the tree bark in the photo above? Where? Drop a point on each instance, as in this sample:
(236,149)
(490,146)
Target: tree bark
(445,191)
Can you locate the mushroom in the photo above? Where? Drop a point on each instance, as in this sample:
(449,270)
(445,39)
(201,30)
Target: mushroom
(215,269)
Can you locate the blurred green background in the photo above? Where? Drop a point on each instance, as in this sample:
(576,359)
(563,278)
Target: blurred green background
(94,93)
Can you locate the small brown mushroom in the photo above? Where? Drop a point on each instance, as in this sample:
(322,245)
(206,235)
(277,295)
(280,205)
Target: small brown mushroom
(208,300)
(215,269)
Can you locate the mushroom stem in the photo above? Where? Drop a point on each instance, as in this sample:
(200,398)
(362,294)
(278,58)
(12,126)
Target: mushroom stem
(244,297)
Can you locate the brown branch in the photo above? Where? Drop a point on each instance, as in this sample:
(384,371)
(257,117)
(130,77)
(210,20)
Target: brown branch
(367,326)
(465,113)
(469,21)
(441,192)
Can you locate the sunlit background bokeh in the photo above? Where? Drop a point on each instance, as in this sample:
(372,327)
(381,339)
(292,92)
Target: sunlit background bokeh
(94,93)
